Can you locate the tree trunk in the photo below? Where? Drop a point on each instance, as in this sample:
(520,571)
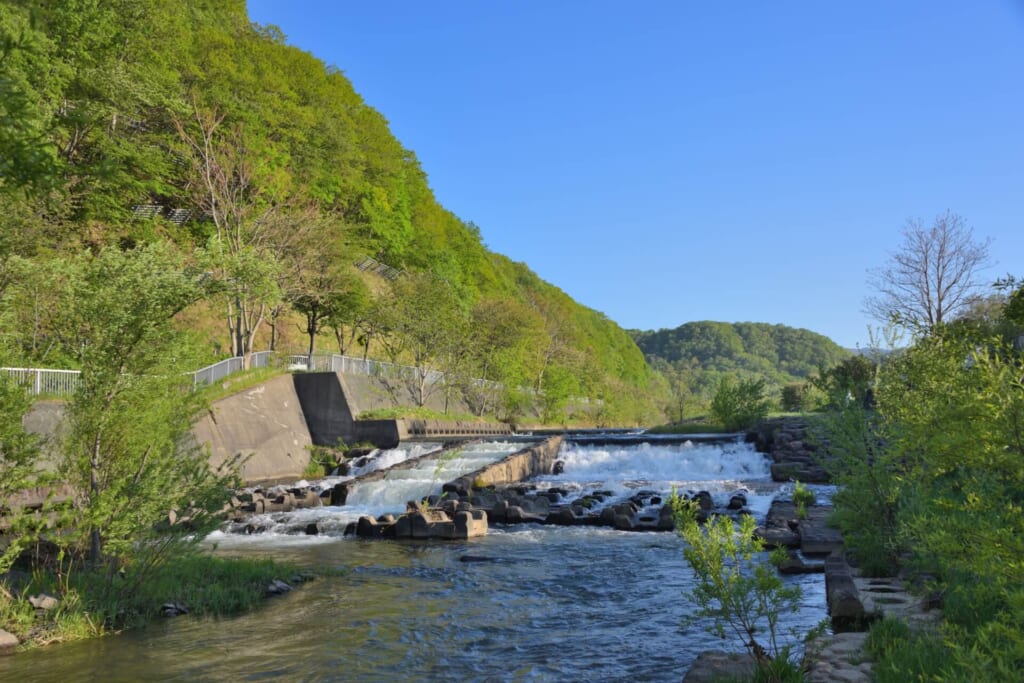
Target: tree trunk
(95,541)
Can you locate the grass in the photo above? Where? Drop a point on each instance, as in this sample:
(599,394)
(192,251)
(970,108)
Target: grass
(417,413)
(96,602)
(689,427)
(240,381)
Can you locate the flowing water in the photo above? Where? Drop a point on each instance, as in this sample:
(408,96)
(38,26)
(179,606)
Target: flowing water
(524,603)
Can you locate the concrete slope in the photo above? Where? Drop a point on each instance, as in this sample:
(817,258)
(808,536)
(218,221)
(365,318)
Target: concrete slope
(265,425)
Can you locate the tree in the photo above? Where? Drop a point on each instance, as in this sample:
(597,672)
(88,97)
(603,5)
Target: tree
(125,452)
(932,277)
(737,589)
(424,325)
(322,282)
(239,181)
(18,453)
(738,405)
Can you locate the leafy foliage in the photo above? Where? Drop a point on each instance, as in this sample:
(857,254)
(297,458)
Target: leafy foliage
(184,123)
(933,481)
(125,449)
(18,468)
(740,592)
(738,405)
(694,358)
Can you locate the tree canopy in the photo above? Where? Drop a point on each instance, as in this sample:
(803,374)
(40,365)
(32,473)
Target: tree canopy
(157,121)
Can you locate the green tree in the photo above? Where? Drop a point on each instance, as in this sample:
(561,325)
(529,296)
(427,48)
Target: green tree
(424,326)
(739,404)
(323,286)
(19,451)
(736,587)
(126,450)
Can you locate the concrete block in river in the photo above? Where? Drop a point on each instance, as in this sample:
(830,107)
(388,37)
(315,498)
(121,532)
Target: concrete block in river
(842,595)
(425,524)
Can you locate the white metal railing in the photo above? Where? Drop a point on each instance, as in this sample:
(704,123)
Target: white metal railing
(217,371)
(45,380)
(65,382)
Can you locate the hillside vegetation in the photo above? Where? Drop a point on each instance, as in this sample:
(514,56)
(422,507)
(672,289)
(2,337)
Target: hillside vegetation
(696,356)
(128,124)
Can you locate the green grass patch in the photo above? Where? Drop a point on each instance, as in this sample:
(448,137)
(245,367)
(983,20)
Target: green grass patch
(689,428)
(239,381)
(96,602)
(417,413)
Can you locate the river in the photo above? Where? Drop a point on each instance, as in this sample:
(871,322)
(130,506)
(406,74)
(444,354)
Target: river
(524,603)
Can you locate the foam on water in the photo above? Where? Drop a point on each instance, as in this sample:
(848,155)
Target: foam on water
(719,468)
(376,498)
(429,476)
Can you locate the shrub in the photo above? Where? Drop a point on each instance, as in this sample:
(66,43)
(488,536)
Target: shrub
(738,405)
(738,590)
(794,397)
(802,495)
(870,485)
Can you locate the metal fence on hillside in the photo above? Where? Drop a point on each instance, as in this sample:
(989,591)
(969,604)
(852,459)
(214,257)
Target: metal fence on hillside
(42,381)
(46,381)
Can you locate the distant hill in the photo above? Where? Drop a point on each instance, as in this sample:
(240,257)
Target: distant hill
(707,349)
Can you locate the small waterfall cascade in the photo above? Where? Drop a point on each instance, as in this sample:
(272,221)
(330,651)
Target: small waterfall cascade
(429,475)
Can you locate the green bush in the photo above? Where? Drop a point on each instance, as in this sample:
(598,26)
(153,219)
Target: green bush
(870,486)
(933,480)
(736,588)
(739,404)
(802,495)
(794,397)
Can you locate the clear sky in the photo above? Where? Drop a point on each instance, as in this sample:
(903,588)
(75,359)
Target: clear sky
(678,160)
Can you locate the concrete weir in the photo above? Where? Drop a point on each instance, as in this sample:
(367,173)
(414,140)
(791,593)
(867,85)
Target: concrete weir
(528,462)
(455,518)
(330,408)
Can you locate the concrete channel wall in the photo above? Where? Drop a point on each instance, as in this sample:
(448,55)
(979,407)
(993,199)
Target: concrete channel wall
(528,462)
(265,425)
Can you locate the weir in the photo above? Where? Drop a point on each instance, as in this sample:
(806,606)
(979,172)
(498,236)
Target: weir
(419,477)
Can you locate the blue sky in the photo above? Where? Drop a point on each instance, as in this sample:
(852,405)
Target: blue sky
(669,161)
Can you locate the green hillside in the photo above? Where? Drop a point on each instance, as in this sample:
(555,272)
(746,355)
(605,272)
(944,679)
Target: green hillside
(130,123)
(698,354)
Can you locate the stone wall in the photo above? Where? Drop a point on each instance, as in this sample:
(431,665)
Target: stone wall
(794,452)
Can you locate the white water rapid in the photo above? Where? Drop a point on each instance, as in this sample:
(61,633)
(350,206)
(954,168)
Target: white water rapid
(721,469)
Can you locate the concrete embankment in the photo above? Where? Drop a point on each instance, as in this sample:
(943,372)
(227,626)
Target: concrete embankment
(270,427)
(264,425)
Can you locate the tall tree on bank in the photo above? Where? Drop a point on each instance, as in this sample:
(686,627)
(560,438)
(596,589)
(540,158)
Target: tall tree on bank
(324,285)
(125,452)
(932,277)
(424,325)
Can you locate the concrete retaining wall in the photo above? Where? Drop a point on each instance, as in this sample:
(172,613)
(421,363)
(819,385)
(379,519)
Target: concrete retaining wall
(274,423)
(265,424)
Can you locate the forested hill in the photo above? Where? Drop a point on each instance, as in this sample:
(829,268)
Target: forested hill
(129,123)
(777,352)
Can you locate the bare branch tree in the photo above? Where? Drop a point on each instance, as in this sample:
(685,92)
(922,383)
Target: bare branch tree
(932,277)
